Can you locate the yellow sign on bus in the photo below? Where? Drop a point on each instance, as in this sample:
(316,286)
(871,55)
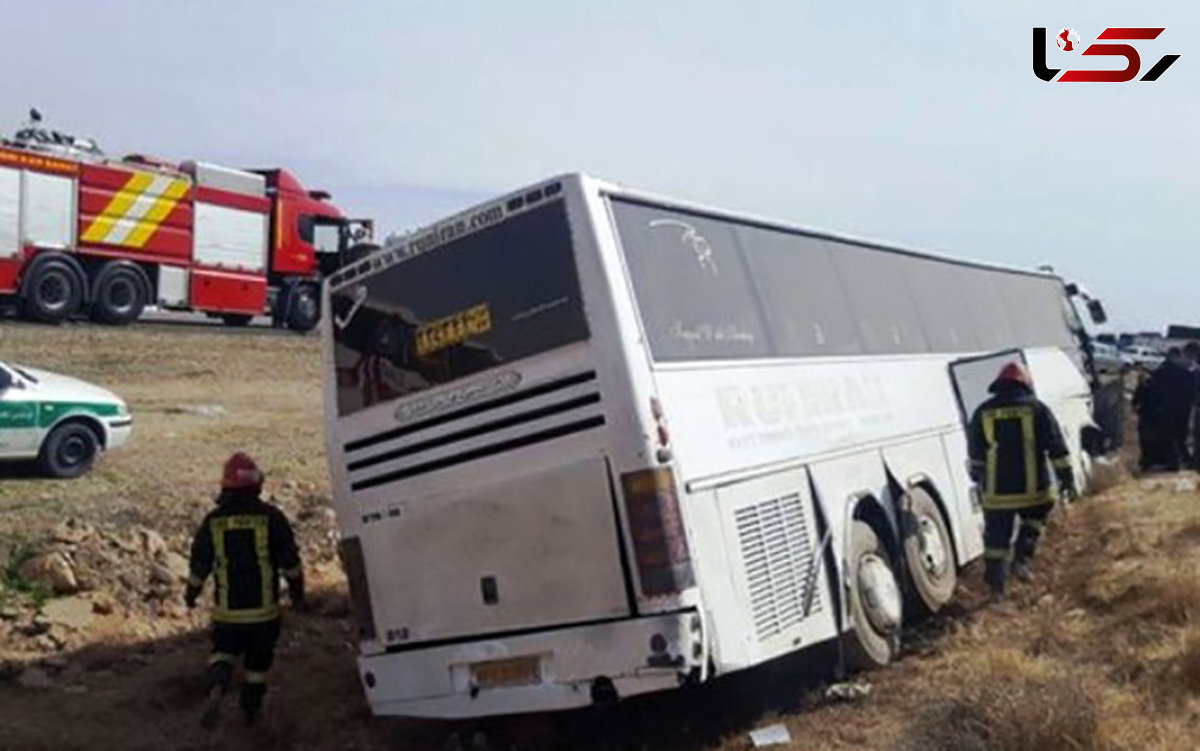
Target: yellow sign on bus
(453,329)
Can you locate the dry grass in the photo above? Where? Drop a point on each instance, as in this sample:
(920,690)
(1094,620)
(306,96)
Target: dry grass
(1009,703)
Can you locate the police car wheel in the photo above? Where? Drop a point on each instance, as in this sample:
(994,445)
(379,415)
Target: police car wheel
(928,553)
(69,451)
(876,609)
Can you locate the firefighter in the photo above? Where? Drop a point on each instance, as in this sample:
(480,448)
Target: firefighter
(246,544)
(1009,440)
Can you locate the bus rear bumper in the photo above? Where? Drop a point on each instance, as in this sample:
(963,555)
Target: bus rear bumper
(543,671)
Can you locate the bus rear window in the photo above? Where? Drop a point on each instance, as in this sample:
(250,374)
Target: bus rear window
(492,297)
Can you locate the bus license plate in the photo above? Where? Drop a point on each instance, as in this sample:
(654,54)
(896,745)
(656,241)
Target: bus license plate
(516,671)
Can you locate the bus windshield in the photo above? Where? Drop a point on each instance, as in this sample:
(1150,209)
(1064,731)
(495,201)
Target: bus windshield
(488,298)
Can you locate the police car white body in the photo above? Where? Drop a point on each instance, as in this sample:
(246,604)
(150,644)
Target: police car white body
(61,422)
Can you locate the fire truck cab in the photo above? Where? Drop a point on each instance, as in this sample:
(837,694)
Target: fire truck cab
(83,234)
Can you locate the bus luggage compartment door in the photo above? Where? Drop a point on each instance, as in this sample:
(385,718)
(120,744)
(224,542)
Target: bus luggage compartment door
(537,551)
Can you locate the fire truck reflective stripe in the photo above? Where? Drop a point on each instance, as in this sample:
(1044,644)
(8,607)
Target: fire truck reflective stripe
(161,209)
(119,234)
(116,208)
(137,210)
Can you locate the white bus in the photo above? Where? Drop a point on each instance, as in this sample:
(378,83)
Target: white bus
(588,443)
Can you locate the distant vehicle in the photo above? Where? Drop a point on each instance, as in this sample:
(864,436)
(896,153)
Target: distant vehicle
(63,423)
(588,443)
(1108,359)
(1144,356)
(84,234)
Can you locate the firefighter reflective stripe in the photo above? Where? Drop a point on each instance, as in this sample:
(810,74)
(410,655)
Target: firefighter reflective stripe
(1062,462)
(1029,446)
(221,570)
(262,548)
(247,615)
(995,554)
(1023,415)
(1037,525)
(1017,500)
(137,210)
(267,608)
(989,435)
(217,657)
(255,676)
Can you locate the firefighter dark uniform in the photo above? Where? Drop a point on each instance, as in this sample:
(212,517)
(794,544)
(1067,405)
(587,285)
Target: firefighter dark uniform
(246,545)
(1010,439)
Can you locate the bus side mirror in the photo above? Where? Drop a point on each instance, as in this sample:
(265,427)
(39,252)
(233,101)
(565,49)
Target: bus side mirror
(1096,311)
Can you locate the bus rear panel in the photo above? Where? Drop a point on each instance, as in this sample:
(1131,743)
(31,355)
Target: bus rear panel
(482,504)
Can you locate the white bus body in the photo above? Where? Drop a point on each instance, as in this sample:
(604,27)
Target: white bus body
(588,443)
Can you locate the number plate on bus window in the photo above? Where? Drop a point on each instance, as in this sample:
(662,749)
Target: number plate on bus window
(515,671)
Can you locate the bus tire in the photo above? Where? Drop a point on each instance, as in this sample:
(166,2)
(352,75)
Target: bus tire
(69,451)
(875,603)
(302,307)
(928,552)
(118,295)
(53,292)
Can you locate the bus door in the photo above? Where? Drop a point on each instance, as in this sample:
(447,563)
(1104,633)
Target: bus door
(971,377)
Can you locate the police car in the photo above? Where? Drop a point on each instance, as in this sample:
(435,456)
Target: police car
(62,423)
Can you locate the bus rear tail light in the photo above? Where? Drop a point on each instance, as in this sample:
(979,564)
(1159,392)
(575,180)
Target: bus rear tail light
(663,452)
(660,546)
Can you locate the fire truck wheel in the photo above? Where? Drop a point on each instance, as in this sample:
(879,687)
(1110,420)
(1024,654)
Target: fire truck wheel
(53,293)
(119,296)
(302,307)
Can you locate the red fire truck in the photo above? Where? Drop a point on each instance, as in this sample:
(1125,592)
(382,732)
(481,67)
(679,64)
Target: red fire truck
(82,234)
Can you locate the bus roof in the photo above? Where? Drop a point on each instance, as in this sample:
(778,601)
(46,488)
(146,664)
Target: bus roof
(646,197)
(426,237)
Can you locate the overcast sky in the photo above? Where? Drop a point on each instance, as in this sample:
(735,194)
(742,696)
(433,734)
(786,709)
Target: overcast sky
(916,123)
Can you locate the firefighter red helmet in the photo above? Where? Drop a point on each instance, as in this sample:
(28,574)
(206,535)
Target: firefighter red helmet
(241,472)
(1016,373)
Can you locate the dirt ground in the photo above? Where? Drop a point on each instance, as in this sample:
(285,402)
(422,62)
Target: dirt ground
(1100,652)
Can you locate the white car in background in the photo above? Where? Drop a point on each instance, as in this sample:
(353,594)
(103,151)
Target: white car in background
(1107,358)
(63,423)
(1145,357)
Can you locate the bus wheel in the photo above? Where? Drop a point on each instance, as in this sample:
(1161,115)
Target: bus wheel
(876,605)
(53,293)
(119,296)
(302,306)
(236,319)
(928,552)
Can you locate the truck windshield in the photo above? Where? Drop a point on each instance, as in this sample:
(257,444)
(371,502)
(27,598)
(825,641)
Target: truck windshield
(488,298)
